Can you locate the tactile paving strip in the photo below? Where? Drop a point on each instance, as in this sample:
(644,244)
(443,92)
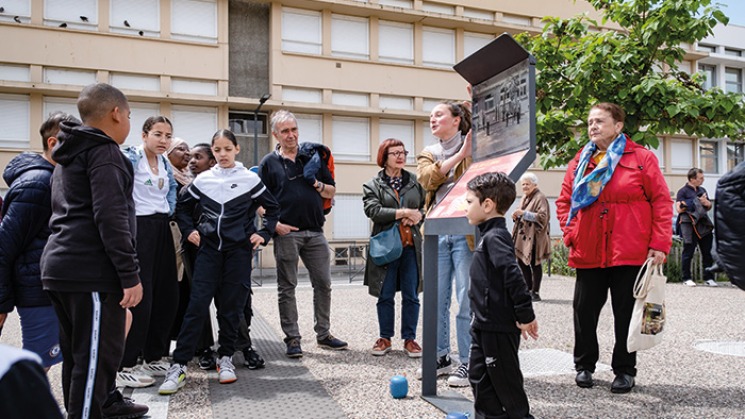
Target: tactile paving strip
(285,388)
(541,362)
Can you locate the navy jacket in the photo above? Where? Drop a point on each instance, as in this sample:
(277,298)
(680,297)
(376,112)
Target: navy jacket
(499,296)
(24,231)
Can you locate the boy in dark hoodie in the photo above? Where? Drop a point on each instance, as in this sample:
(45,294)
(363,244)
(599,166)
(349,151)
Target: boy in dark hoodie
(23,233)
(89,265)
(501,306)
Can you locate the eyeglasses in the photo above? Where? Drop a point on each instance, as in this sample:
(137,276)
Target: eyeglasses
(287,172)
(398,154)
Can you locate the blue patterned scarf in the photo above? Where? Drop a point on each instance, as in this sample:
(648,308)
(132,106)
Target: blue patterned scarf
(586,189)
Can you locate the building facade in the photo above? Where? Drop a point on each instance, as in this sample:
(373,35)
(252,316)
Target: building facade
(354,72)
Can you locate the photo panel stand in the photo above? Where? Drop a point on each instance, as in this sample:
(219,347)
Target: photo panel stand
(502,76)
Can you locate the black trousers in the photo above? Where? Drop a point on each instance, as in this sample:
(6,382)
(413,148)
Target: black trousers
(244,326)
(704,244)
(590,295)
(92,343)
(205,339)
(532,273)
(226,277)
(152,319)
(495,376)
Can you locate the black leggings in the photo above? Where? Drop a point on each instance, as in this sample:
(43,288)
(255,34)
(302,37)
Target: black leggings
(532,273)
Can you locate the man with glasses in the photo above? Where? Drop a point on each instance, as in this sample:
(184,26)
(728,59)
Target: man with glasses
(299,233)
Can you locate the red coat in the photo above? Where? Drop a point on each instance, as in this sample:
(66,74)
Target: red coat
(632,214)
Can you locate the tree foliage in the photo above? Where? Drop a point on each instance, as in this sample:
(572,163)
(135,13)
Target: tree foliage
(636,67)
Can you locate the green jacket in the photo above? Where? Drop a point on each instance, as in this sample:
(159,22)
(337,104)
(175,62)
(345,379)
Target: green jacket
(380,204)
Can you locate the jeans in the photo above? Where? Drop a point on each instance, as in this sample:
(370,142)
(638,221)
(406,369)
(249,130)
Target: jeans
(704,244)
(453,261)
(313,249)
(401,272)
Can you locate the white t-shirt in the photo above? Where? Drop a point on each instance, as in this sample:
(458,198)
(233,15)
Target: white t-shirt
(150,191)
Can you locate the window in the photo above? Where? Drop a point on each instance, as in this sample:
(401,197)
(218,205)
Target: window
(135,82)
(194,20)
(194,87)
(350,138)
(401,130)
(473,42)
(350,99)
(65,105)
(406,4)
(733,52)
(15,72)
(478,14)
(396,42)
(708,156)
(350,37)
(706,48)
(659,152)
(681,155)
(733,80)
(20,8)
(685,66)
(438,8)
(438,47)
(76,14)
(15,114)
(735,154)
(301,31)
(430,104)
(297,94)
(351,221)
(310,129)
(516,20)
(72,77)
(194,124)
(396,102)
(142,111)
(710,72)
(133,16)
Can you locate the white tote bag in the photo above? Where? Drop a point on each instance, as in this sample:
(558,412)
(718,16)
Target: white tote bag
(648,318)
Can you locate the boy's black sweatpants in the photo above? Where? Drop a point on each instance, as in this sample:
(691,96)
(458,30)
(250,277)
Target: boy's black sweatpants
(150,335)
(225,276)
(92,343)
(495,376)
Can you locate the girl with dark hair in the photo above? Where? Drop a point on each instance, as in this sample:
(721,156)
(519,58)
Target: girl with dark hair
(439,166)
(228,196)
(394,196)
(154,194)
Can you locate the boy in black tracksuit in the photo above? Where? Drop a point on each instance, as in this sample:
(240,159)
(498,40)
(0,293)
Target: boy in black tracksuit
(500,304)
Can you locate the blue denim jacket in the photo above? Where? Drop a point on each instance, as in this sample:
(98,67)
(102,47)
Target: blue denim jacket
(135,155)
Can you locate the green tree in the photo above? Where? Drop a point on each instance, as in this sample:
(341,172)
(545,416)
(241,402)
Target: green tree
(635,66)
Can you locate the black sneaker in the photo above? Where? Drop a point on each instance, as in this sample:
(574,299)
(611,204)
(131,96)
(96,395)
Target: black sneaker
(252,360)
(207,360)
(534,296)
(444,367)
(332,343)
(293,348)
(124,408)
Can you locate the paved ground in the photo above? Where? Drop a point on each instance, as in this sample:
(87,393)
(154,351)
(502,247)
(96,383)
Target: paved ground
(675,379)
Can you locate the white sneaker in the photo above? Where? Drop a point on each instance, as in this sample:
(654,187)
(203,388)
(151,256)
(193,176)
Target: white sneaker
(711,283)
(226,370)
(156,368)
(690,283)
(175,379)
(459,378)
(134,377)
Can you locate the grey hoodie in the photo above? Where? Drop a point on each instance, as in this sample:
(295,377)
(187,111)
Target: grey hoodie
(92,245)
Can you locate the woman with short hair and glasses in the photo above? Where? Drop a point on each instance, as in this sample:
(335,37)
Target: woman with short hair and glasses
(439,166)
(393,197)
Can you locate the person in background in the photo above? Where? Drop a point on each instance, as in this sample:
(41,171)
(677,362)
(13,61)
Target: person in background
(179,157)
(24,388)
(500,302)
(229,195)
(89,266)
(531,233)
(299,233)
(154,195)
(439,166)
(695,226)
(394,196)
(24,231)
(616,212)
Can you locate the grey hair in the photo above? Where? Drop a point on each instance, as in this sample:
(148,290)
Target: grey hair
(281,116)
(530,176)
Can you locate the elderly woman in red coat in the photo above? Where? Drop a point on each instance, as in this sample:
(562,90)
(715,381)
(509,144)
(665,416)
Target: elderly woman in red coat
(615,211)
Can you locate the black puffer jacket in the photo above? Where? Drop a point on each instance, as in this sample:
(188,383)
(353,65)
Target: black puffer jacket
(24,231)
(729,213)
